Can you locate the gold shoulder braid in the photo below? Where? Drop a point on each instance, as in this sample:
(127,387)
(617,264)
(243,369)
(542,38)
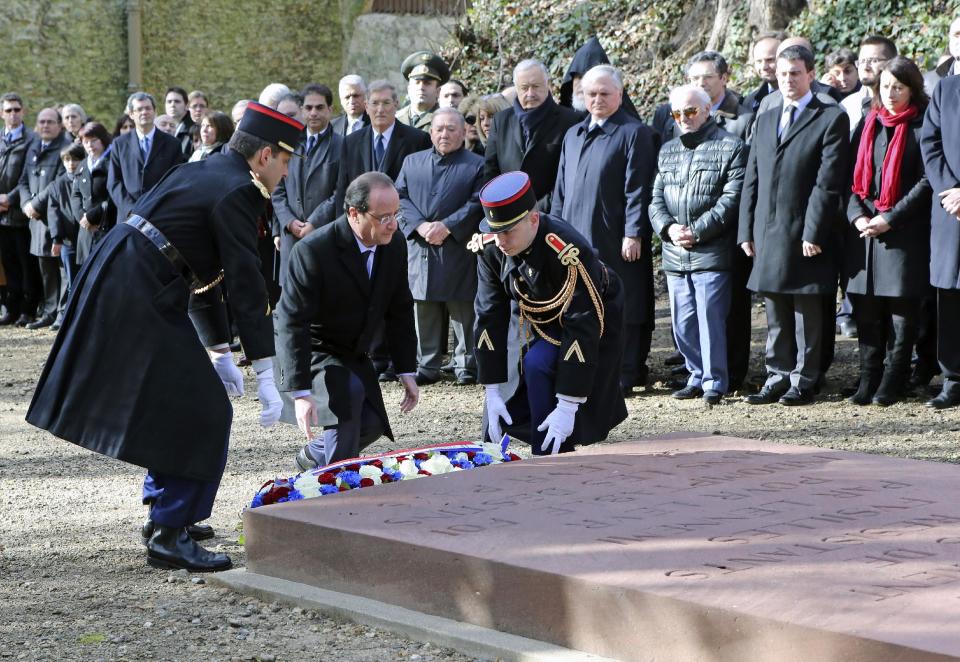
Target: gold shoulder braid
(568,255)
(260,185)
(478,241)
(212,284)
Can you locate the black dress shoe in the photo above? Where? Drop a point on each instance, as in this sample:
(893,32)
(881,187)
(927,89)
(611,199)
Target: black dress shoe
(797,397)
(8,319)
(679,370)
(945,400)
(766,396)
(688,393)
(712,397)
(426,380)
(466,380)
(305,460)
(43,322)
(675,359)
(173,549)
(196,531)
(388,375)
(24,319)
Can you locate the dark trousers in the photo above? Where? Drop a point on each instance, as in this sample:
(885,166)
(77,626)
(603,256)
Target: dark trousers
(636,349)
(829,347)
(23,276)
(926,346)
(178,502)
(346,439)
(948,331)
(794,339)
(432,332)
(886,332)
(50,279)
(739,325)
(68,259)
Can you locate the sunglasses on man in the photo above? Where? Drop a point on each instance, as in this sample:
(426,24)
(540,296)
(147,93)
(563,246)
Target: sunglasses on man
(687,112)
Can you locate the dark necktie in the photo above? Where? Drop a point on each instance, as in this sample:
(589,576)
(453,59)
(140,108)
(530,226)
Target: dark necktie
(786,127)
(145,148)
(356,125)
(311,143)
(365,258)
(379,150)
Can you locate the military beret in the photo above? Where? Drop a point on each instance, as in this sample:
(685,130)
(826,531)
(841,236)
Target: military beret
(266,123)
(506,200)
(424,64)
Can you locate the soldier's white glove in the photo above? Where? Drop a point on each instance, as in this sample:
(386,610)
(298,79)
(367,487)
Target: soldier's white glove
(496,410)
(559,425)
(228,372)
(270,403)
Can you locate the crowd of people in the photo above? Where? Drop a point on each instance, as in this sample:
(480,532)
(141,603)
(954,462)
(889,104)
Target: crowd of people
(810,185)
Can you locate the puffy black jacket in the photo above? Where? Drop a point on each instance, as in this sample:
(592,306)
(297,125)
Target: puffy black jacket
(698,185)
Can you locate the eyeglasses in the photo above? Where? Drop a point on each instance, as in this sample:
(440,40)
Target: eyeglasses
(871,61)
(12,110)
(470,119)
(688,112)
(385,219)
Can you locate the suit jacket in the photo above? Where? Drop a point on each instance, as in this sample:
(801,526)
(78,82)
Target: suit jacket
(128,178)
(62,221)
(540,159)
(939,142)
(13,156)
(340,125)
(90,197)
(43,166)
(604,186)
(752,100)
(358,155)
(792,192)
(329,312)
(308,192)
(446,189)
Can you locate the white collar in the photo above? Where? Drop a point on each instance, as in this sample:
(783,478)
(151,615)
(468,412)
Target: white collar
(386,134)
(148,136)
(800,103)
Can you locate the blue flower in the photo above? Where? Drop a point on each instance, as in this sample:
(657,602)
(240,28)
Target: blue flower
(467,464)
(351,478)
(329,489)
(482,459)
(257,500)
(293,496)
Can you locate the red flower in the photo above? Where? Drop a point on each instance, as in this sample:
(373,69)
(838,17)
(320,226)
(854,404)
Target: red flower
(344,487)
(421,456)
(386,479)
(471,454)
(353,467)
(514,457)
(377,463)
(366,482)
(424,472)
(275,494)
(401,458)
(327,478)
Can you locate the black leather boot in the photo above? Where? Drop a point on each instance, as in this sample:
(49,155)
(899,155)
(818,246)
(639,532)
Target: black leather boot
(893,386)
(869,381)
(173,549)
(196,531)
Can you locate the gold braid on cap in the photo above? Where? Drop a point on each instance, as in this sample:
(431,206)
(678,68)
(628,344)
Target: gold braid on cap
(539,313)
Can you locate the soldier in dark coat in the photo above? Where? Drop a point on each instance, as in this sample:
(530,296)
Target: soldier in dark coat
(939,143)
(440,200)
(23,279)
(306,198)
(346,280)
(528,137)
(586,58)
(570,310)
(604,184)
(42,168)
(789,219)
(129,376)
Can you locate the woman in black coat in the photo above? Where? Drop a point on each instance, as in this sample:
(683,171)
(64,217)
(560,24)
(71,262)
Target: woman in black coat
(91,201)
(888,258)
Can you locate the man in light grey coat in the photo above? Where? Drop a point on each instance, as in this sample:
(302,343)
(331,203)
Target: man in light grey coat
(440,206)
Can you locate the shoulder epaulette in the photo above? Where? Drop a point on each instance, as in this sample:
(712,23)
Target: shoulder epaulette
(567,253)
(478,241)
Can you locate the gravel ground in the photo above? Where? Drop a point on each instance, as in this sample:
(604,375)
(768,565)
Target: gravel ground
(74,584)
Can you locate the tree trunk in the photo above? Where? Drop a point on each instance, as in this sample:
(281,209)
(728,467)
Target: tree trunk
(719,32)
(774,14)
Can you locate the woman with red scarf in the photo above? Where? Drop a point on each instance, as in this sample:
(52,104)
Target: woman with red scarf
(888,259)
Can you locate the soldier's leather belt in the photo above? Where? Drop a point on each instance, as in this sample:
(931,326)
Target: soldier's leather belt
(169,251)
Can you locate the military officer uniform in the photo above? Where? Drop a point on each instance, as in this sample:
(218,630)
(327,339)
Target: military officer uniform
(419,66)
(570,311)
(145,392)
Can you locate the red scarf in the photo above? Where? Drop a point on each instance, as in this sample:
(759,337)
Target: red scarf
(890,172)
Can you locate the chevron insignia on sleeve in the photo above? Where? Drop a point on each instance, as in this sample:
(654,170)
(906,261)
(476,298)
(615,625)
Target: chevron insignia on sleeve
(485,340)
(574,351)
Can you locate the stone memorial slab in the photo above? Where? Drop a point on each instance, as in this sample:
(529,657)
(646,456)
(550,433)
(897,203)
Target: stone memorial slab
(682,548)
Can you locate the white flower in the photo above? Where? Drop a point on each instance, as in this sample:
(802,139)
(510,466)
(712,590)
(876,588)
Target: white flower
(370,471)
(462,457)
(494,451)
(408,468)
(310,491)
(305,482)
(437,464)
(390,463)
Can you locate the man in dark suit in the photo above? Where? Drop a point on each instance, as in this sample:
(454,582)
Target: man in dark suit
(764,54)
(353,99)
(603,190)
(305,199)
(529,136)
(175,104)
(939,140)
(344,281)
(42,168)
(23,280)
(794,184)
(139,159)
(440,200)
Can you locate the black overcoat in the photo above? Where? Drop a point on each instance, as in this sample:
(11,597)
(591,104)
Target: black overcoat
(127,375)
(358,155)
(128,178)
(594,371)
(90,197)
(897,262)
(43,166)
(308,192)
(446,189)
(604,186)
(940,145)
(792,192)
(61,217)
(329,312)
(505,151)
(13,157)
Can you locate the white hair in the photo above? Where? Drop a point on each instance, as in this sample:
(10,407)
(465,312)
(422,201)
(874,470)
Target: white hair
(523,65)
(450,110)
(76,107)
(603,70)
(272,94)
(678,94)
(355,80)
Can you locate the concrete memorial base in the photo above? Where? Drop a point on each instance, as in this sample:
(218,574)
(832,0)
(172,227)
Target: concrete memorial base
(683,548)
